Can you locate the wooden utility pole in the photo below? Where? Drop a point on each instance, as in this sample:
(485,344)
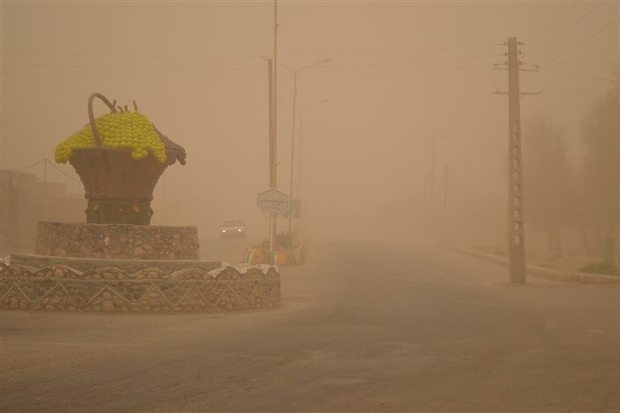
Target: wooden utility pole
(516,240)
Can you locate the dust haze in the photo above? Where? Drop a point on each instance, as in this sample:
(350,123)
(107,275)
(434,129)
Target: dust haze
(401,122)
(401,73)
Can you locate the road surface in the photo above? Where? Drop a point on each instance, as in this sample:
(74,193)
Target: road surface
(231,250)
(361,329)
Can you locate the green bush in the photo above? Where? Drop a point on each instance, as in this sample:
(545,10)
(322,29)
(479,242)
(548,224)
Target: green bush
(286,240)
(600,268)
(283,241)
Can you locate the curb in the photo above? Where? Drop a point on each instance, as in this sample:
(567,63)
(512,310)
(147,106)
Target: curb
(548,273)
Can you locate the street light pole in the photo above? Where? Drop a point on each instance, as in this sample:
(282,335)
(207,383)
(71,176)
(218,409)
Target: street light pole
(273,149)
(301,135)
(295,73)
(290,190)
(273,219)
(273,152)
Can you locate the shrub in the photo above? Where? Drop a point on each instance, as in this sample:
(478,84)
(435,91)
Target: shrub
(601,268)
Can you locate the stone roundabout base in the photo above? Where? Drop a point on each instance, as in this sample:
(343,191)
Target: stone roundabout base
(117,241)
(58,287)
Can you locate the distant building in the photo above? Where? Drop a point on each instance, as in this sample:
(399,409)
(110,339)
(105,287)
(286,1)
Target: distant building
(24,201)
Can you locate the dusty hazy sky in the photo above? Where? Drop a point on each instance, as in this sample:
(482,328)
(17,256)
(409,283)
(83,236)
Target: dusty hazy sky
(401,72)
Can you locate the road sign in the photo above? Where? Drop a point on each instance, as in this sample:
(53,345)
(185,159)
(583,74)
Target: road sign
(272,201)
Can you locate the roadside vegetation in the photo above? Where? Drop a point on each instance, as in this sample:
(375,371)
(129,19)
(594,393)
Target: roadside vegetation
(573,203)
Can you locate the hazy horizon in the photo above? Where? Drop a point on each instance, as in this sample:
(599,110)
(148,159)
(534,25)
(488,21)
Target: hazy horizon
(401,72)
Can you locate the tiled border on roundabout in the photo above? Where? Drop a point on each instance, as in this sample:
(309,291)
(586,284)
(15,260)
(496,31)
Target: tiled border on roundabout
(59,287)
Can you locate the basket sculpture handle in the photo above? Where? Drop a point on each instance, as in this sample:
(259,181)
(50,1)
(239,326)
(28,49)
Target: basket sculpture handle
(91,116)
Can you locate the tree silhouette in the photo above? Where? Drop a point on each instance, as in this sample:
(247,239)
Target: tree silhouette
(600,138)
(548,183)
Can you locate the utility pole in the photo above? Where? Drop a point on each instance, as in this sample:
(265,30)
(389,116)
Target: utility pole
(301,151)
(445,204)
(272,147)
(290,191)
(516,223)
(273,182)
(618,194)
(273,143)
(516,240)
(434,138)
(433,158)
(274,100)
(294,124)
(431,200)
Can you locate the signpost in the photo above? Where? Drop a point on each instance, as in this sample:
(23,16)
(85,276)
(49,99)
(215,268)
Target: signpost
(274,203)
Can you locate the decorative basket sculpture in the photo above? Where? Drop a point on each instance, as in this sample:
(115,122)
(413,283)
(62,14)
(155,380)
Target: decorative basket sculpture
(119,180)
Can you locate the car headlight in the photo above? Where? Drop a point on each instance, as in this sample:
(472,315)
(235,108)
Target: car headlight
(239,230)
(223,230)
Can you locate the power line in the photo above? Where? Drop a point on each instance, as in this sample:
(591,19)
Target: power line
(132,55)
(546,53)
(289,54)
(388,52)
(610,23)
(569,72)
(108,67)
(453,59)
(60,170)
(592,68)
(132,75)
(47,161)
(589,103)
(400,72)
(246,68)
(30,166)
(583,16)
(562,16)
(224,74)
(581,92)
(243,69)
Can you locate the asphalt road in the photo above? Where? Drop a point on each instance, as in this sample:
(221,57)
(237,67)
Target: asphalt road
(361,329)
(229,250)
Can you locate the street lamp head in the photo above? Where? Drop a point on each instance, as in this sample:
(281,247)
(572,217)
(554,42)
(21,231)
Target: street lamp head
(320,62)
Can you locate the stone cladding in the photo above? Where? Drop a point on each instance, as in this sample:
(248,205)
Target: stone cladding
(117,241)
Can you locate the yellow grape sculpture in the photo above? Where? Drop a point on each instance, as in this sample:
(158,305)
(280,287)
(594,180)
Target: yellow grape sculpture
(130,130)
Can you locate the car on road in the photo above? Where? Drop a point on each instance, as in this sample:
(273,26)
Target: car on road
(232,228)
